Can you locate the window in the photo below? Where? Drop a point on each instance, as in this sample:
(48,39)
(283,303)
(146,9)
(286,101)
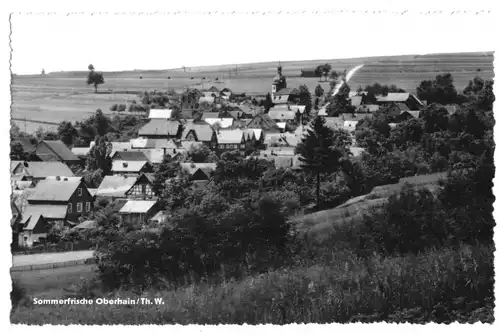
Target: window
(143,188)
(70,208)
(79,207)
(242,146)
(80,192)
(87,206)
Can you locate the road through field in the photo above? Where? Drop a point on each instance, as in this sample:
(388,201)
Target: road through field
(51,258)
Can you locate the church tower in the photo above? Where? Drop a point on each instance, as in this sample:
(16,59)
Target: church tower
(279,81)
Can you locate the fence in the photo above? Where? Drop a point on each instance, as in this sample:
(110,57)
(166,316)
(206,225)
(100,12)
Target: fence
(56,247)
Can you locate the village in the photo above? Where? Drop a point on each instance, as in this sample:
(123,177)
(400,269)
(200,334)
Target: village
(46,193)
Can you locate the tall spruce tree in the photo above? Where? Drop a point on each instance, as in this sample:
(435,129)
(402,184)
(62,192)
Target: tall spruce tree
(318,152)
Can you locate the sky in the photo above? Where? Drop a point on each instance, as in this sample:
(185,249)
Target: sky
(116,42)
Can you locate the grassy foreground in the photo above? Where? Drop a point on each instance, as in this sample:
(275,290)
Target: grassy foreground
(435,286)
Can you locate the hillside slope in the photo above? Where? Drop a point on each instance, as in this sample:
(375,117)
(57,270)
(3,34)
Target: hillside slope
(318,225)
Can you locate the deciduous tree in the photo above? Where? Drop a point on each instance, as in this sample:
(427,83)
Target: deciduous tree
(99,156)
(94,78)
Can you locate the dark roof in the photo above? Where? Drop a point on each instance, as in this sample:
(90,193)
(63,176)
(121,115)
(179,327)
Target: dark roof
(60,149)
(160,127)
(402,106)
(131,156)
(25,142)
(267,120)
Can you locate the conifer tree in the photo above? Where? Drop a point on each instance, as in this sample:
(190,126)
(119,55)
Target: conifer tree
(318,152)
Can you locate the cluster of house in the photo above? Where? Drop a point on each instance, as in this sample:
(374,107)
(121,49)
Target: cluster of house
(46,193)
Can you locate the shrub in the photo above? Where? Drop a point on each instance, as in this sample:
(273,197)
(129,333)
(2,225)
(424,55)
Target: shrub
(197,247)
(122,108)
(113,108)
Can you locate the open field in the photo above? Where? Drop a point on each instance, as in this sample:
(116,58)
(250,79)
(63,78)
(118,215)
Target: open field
(52,282)
(65,96)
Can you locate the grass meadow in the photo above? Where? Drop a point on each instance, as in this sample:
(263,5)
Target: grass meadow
(343,288)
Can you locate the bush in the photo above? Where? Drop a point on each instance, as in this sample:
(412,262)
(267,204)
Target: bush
(122,108)
(113,108)
(410,222)
(196,247)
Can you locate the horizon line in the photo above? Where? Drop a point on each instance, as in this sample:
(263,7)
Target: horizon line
(492,52)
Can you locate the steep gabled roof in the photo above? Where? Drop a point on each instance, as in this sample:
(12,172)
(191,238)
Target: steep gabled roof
(266,121)
(231,136)
(60,149)
(402,106)
(14,165)
(30,222)
(116,186)
(202,130)
(46,169)
(55,190)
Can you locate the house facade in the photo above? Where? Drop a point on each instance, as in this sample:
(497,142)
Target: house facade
(232,140)
(51,196)
(136,212)
(126,187)
(35,229)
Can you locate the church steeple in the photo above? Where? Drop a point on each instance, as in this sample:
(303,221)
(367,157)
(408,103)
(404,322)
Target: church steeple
(279,81)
